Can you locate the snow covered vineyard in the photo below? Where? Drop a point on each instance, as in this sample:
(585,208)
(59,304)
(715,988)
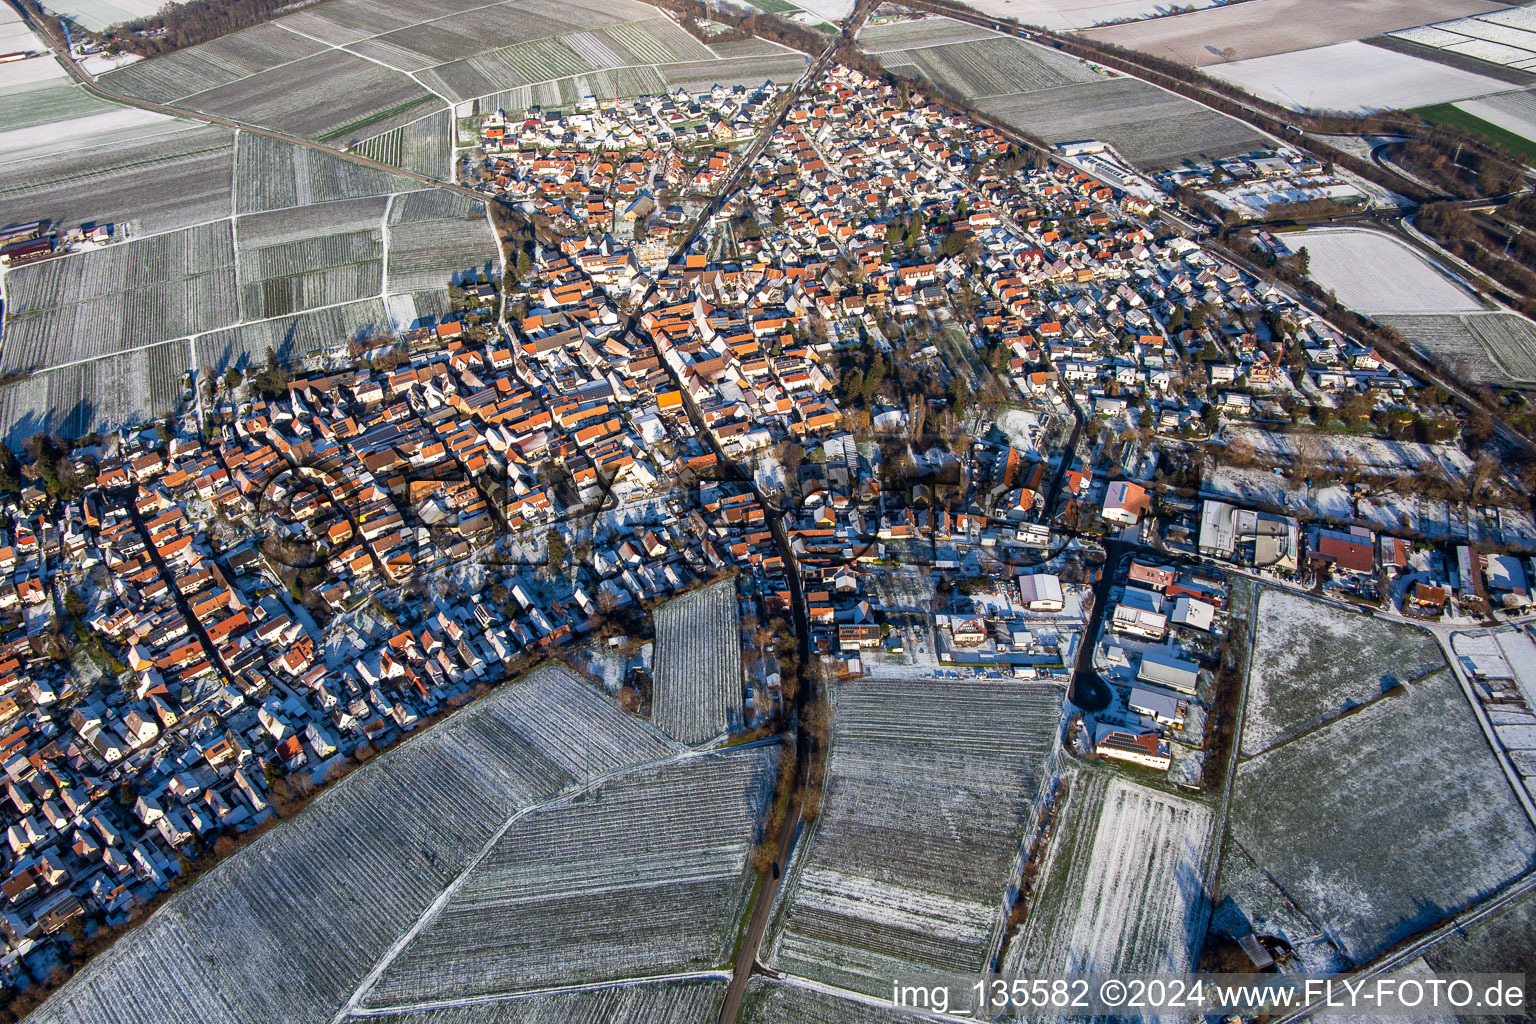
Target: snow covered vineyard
(932,787)
(697,692)
(288,929)
(692,1001)
(1122,888)
(643,875)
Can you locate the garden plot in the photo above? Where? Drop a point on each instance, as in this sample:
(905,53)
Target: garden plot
(1145,124)
(1377,455)
(97,395)
(1258,28)
(1128,896)
(644,874)
(286,929)
(1313,661)
(156,181)
(1485,348)
(769,1001)
(1380,823)
(932,786)
(1354,77)
(435,236)
(643,1002)
(128,295)
(698,682)
(273,175)
(1376,273)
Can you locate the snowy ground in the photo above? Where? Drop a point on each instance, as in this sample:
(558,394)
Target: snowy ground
(1514,112)
(1069,14)
(1375,273)
(1341,449)
(1354,76)
(99,14)
(1122,887)
(1312,661)
(1377,825)
(1022,428)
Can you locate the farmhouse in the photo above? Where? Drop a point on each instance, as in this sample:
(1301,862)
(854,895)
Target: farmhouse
(1147,751)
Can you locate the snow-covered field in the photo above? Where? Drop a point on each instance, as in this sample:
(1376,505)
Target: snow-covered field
(1069,14)
(1354,76)
(1123,888)
(1378,824)
(99,14)
(1506,37)
(931,789)
(1313,661)
(1375,273)
(698,664)
(1512,111)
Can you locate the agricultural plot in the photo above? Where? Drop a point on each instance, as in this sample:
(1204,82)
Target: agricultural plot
(154,181)
(1077,14)
(288,928)
(96,395)
(213,64)
(38,91)
(1378,824)
(435,236)
(1485,348)
(96,15)
(905,35)
(781,69)
(358,92)
(664,1002)
(272,175)
(995,66)
(1354,77)
(932,786)
(424,146)
(292,337)
(1054,97)
(1513,112)
(1376,273)
(1312,662)
(1127,895)
(125,296)
(322,270)
(1148,126)
(1506,36)
(1258,28)
(645,874)
(776,1002)
(698,682)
